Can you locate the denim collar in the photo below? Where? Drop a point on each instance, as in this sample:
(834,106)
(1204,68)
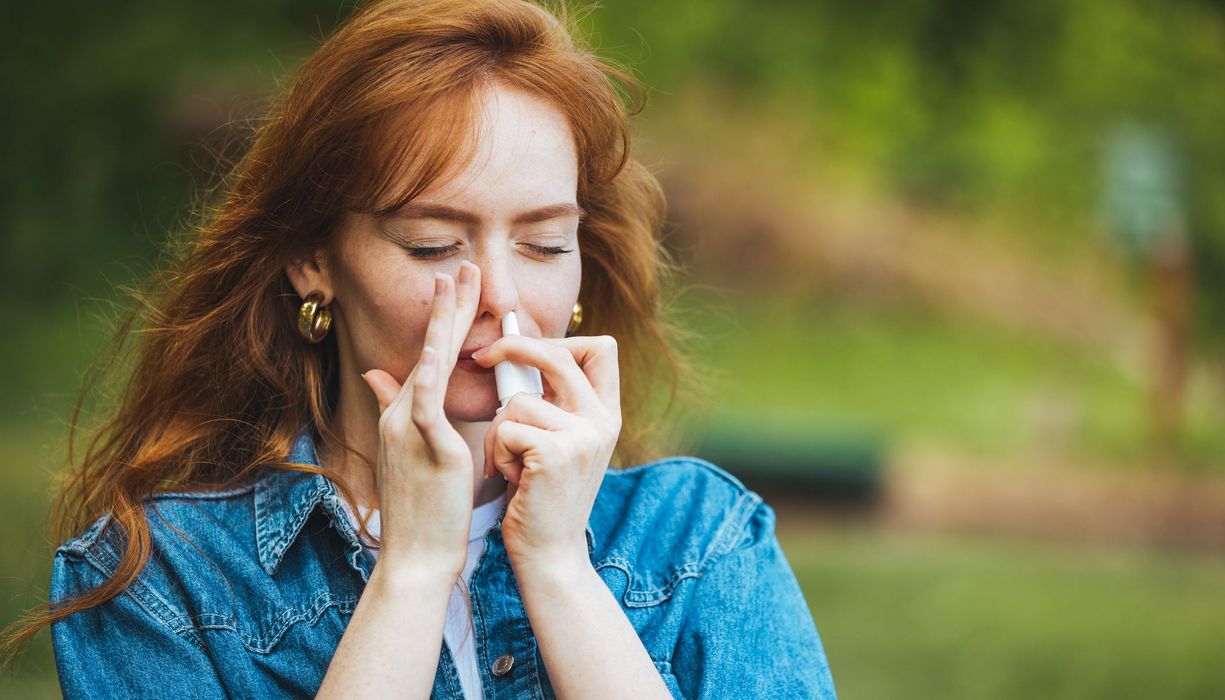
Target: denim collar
(284,500)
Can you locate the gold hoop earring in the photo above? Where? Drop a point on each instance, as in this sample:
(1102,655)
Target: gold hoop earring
(314,320)
(576,318)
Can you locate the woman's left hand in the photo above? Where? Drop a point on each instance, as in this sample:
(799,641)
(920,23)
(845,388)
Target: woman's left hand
(554,450)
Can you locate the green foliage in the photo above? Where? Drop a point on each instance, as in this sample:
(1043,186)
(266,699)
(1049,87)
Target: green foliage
(922,379)
(904,615)
(975,106)
(989,106)
(102,150)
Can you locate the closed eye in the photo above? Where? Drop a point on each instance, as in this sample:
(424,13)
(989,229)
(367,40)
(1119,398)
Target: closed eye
(549,250)
(434,252)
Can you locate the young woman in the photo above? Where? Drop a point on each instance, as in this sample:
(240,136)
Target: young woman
(309,486)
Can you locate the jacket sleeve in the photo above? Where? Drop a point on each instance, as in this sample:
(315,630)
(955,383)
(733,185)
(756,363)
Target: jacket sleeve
(122,648)
(748,631)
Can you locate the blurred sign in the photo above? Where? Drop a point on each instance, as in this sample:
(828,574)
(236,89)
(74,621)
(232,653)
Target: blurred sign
(1143,189)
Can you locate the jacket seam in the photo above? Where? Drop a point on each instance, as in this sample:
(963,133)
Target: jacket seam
(146,598)
(188,626)
(204,494)
(263,644)
(721,537)
(682,460)
(675,574)
(81,543)
(647,597)
(734,525)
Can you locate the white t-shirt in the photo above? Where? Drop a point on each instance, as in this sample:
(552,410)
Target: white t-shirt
(457,630)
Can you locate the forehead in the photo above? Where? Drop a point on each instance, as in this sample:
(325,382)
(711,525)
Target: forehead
(522,155)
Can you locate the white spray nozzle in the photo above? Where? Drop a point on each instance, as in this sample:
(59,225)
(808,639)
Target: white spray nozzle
(513,378)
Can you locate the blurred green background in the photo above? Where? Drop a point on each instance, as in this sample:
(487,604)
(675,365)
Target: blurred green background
(984,239)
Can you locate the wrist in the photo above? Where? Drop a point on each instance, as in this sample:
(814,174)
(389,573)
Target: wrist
(408,577)
(555,567)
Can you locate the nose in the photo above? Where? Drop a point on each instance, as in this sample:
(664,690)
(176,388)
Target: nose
(499,294)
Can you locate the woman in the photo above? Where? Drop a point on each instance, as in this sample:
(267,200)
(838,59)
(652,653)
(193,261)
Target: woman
(309,486)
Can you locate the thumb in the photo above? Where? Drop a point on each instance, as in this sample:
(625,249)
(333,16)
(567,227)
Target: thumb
(384,386)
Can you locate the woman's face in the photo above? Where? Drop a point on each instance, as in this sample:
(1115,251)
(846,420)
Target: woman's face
(510,211)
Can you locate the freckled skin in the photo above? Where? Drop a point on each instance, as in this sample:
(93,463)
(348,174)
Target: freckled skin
(381,296)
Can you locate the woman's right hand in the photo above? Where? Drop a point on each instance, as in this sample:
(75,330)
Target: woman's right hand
(425,468)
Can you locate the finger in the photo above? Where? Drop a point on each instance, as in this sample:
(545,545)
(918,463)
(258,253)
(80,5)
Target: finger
(439,333)
(535,411)
(596,356)
(467,298)
(512,441)
(529,410)
(490,434)
(426,408)
(384,386)
(555,363)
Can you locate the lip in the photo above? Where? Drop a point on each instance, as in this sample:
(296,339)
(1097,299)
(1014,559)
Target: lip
(470,364)
(466,353)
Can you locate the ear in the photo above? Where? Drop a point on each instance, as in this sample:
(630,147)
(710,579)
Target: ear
(311,274)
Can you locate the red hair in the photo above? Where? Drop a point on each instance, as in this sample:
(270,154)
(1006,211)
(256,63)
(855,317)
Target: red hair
(221,381)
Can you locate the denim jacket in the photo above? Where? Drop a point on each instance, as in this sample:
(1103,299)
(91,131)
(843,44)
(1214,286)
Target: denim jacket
(254,605)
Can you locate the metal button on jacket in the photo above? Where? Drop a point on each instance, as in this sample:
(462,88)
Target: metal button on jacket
(503,664)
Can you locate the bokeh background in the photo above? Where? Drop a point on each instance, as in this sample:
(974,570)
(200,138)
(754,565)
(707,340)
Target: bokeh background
(957,268)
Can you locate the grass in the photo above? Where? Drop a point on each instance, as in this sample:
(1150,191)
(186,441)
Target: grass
(921,378)
(28,453)
(936,617)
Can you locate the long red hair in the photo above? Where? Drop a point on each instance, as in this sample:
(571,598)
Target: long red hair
(220,381)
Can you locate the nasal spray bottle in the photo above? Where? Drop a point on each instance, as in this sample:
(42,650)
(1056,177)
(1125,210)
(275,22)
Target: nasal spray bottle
(513,378)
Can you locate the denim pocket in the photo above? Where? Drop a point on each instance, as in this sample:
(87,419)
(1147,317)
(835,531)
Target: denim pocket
(645,586)
(260,630)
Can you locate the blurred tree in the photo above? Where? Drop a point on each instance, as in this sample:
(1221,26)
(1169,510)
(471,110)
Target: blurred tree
(972,107)
(96,168)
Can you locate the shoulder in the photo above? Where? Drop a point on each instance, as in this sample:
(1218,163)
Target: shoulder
(676,490)
(171,516)
(670,519)
(211,572)
(188,532)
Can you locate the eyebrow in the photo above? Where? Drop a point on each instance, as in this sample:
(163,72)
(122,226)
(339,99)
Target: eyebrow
(426,210)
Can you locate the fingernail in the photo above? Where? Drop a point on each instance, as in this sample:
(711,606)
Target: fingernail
(480,353)
(440,283)
(465,273)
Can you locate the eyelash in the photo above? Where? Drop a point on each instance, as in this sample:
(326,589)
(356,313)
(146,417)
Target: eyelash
(431,253)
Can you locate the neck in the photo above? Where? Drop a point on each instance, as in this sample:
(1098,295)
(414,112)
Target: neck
(357,420)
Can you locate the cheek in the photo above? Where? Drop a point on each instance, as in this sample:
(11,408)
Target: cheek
(550,299)
(404,315)
(392,326)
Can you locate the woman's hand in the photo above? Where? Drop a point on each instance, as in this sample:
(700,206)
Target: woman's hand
(554,450)
(424,474)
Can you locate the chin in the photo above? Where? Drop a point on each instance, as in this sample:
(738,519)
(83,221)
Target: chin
(478,405)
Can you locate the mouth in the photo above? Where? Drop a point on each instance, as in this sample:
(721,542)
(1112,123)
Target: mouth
(466,353)
(469,364)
